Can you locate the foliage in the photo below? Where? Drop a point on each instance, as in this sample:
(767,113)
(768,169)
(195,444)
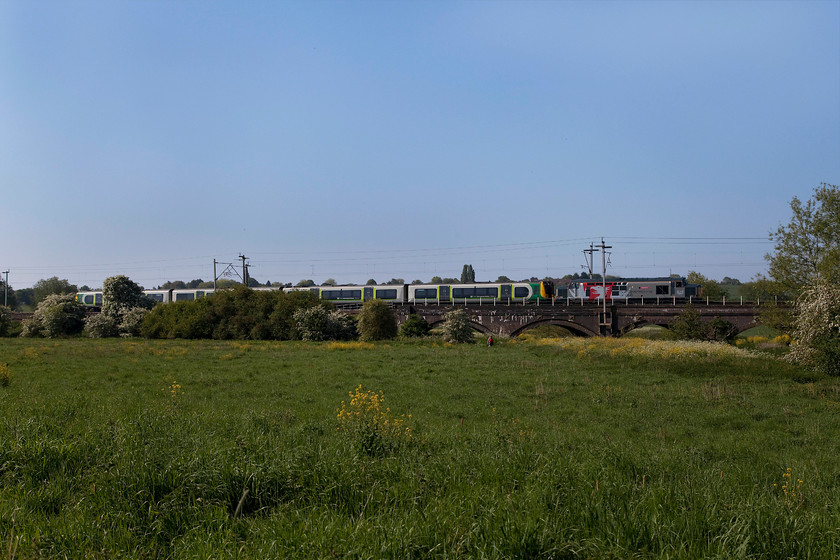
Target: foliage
(57,315)
(318,323)
(132,321)
(329,282)
(239,313)
(376,321)
(808,248)
(503,279)
(50,286)
(817,328)
(370,282)
(125,304)
(121,294)
(687,325)
(305,283)
(101,326)
(5,320)
(710,288)
(468,274)
(375,430)
(5,375)
(414,326)
(456,327)
(396,282)
(13,298)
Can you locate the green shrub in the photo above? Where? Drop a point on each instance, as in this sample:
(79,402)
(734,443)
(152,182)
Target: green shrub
(377,321)
(414,326)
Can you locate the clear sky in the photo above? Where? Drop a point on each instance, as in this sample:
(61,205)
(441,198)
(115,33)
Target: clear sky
(396,139)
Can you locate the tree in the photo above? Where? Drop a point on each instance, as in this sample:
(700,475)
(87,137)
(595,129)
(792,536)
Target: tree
(121,300)
(370,282)
(808,248)
(711,288)
(503,278)
(817,328)
(436,280)
(13,297)
(376,321)
(329,282)
(468,274)
(305,283)
(49,286)
(456,327)
(396,282)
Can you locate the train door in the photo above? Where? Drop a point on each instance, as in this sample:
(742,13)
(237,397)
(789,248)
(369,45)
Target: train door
(443,293)
(368,295)
(506,292)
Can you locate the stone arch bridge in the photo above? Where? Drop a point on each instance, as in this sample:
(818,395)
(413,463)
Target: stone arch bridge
(584,320)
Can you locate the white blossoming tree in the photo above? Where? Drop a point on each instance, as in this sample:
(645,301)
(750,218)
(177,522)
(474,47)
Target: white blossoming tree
(817,328)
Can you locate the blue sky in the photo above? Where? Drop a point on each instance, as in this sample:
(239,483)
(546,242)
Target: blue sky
(356,140)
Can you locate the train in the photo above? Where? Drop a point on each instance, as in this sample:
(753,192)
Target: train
(623,290)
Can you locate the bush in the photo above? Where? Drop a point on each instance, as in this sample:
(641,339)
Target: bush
(318,323)
(376,321)
(414,326)
(132,321)
(100,326)
(456,327)
(56,315)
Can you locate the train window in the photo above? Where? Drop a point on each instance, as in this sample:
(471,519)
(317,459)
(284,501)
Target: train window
(190,296)
(662,290)
(520,291)
(89,299)
(425,293)
(341,294)
(97,299)
(386,294)
(155,297)
(474,292)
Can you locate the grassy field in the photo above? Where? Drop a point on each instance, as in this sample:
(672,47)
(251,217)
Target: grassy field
(544,448)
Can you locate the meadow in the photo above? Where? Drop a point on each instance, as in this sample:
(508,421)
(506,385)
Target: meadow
(540,448)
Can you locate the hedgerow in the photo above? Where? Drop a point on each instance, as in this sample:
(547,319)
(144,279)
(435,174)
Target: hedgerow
(237,314)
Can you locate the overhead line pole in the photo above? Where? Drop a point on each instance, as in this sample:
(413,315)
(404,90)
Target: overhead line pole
(6,289)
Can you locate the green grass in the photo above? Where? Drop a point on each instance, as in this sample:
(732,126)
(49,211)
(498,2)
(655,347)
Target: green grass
(199,449)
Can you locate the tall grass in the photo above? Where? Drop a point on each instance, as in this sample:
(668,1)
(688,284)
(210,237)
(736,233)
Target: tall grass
(524,450)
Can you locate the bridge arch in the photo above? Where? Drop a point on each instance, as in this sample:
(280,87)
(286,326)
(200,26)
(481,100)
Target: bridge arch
(573,327)
(473,325)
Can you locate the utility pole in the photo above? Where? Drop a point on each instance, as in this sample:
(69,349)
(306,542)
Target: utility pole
(6,289)
(604,277)
(244,269)
(214,275)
